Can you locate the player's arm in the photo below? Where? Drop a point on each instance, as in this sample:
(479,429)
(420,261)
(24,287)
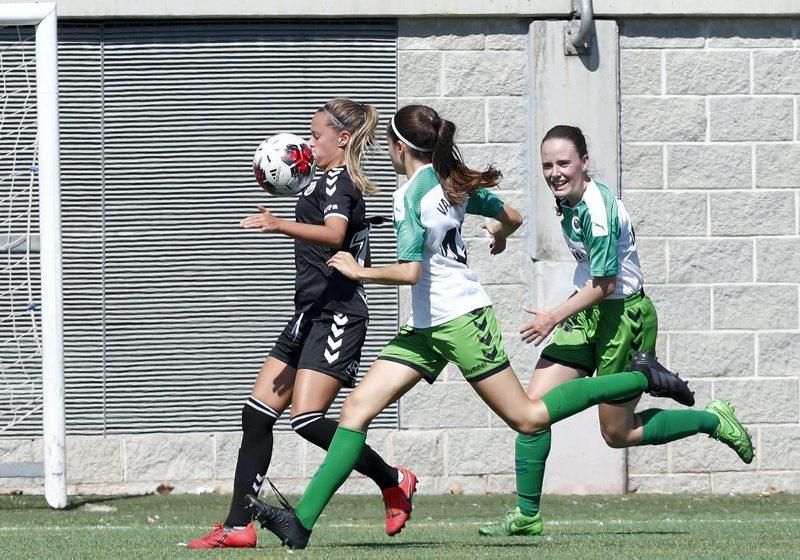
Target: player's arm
(398,274)
(602,244)
(329,235)
(507,219)
(545,320)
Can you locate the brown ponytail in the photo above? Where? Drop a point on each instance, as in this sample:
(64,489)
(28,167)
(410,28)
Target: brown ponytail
(420,125)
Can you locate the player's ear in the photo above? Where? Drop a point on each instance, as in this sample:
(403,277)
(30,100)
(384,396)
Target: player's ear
(344,138)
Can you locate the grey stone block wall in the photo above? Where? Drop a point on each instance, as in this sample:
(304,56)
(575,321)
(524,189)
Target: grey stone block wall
(473,72)
(710,176)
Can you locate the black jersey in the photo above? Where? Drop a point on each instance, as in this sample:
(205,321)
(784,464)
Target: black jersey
(318,286)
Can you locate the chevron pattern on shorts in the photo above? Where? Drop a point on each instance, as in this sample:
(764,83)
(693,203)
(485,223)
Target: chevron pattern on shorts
(637,330)
(334,342)
(485,337)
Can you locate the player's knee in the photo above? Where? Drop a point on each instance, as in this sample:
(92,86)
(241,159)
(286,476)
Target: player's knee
(529,419)
(356,412)
(615,437)
(526,425)
(258,417)
(529,428)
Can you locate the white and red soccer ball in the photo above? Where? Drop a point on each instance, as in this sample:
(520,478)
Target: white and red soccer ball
(284,164)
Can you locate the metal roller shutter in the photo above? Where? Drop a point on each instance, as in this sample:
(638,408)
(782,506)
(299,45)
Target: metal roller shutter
(170,308)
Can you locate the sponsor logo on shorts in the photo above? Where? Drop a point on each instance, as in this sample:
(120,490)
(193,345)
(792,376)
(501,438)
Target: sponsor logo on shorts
(352,369)
(473,369)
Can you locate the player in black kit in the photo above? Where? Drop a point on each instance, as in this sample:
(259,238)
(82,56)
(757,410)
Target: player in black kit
(319,350)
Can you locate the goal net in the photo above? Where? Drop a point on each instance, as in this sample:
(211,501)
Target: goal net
(31,331)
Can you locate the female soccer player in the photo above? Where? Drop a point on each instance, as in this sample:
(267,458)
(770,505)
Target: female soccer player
(605,322)
(319,351)
(452,318)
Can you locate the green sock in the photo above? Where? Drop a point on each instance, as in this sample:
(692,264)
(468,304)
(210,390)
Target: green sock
(661,426)
(343,454)
(579,394)
(531,453)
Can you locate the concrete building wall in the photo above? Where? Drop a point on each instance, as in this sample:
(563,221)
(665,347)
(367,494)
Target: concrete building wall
(709,126)
(475,73)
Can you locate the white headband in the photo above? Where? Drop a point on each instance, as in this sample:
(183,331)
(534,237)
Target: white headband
(339,124)
(410,144)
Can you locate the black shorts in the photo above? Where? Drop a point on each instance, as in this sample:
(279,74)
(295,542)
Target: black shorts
(323,341)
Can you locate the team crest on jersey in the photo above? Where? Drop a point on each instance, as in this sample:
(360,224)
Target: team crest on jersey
(576,224)
(310,189)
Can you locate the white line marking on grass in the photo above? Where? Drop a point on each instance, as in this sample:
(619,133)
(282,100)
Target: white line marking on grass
(565,522)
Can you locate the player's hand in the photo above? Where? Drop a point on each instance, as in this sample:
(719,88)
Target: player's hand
(539,328)
(264,221)
(498,243)
(346,264)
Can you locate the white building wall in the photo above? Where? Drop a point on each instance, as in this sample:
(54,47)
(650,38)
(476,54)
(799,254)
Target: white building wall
(709,125)
(475,73)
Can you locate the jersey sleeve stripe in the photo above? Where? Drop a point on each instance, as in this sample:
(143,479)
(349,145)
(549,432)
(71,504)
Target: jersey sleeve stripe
(337,215)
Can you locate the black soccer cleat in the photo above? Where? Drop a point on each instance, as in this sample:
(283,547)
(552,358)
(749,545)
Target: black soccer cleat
(660,381)
(281,521)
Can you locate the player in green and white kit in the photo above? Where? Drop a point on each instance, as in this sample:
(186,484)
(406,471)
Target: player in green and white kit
(606,321)
(452,318)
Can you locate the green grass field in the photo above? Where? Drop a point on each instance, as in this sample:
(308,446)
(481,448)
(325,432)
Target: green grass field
(632,526)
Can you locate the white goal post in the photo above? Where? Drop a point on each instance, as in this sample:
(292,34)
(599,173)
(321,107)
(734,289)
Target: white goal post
(43,16)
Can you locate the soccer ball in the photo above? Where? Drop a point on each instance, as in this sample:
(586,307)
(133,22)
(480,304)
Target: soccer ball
(284,165)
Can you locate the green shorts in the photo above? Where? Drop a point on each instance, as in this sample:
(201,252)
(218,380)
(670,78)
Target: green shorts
(604,337)
(471,341)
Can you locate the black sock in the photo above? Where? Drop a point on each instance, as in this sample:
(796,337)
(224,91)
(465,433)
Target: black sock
(254,455)
(314,427)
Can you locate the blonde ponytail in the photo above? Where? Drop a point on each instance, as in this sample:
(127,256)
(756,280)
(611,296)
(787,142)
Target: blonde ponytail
(361,121)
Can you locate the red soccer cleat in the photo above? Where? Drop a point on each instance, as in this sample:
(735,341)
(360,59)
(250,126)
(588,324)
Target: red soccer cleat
(225,537)
(398,502)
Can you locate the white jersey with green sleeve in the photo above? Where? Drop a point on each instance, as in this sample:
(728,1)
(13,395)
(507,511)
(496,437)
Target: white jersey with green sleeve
(599,234)
(429,231)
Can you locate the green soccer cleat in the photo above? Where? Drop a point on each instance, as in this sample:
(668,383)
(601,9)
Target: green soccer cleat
(514,524)
(730,431)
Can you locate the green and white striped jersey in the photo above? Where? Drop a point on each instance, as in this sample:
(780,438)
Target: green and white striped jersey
(599,234)
(428,230)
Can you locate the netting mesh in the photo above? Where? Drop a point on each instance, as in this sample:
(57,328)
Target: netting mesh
(20,345)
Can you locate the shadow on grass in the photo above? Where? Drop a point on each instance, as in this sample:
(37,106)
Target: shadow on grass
(36,502)
(80,501)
